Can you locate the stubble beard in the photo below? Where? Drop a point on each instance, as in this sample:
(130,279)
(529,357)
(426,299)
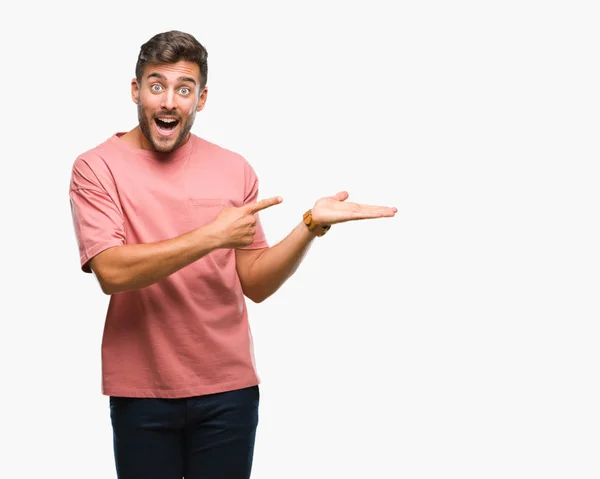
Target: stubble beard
(186,127)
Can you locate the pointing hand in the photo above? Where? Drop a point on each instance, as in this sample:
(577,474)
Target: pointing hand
(235,227)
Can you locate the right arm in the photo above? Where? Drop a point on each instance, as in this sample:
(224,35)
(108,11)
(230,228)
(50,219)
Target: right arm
(129,267)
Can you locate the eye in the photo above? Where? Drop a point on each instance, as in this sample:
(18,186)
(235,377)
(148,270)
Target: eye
(185,90)
(156,87)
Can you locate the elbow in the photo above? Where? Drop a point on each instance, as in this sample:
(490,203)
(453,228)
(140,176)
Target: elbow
(109,283)
(108,287)
(256,296)
(110,275)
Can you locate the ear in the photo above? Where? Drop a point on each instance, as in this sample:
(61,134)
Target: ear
(202,99)
(135,90)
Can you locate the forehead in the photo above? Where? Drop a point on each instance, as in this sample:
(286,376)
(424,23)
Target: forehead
(173,71)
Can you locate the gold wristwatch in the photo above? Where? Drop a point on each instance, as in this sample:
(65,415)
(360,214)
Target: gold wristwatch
(313,226)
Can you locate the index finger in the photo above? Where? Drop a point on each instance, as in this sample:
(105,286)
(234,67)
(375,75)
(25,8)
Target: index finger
(263,204)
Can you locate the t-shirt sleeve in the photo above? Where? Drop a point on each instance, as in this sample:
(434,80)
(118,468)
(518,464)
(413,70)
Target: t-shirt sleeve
(97,215)
(251,196)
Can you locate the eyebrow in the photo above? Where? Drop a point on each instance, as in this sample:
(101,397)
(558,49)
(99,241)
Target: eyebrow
(162,77)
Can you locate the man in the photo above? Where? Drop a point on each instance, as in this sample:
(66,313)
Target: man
(169,224)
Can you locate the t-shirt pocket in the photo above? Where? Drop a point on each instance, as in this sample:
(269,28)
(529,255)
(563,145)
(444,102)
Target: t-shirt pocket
(202,211)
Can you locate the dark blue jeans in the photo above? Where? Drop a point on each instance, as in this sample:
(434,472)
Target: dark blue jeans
(203,437)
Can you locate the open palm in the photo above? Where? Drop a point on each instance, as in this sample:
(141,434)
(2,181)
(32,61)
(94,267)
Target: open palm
(334,209)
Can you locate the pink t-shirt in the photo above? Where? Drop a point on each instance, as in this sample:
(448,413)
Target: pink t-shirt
(188,334)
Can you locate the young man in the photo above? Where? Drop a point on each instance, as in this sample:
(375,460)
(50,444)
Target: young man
(169,224)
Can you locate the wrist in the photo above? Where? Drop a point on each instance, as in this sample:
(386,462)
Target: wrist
(208,238)
(313,226)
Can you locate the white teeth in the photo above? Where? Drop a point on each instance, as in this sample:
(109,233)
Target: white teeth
(167,120)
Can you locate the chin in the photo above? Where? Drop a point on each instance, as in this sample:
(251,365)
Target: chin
(164,146)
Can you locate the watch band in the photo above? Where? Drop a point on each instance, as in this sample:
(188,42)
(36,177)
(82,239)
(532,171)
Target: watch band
(313,226)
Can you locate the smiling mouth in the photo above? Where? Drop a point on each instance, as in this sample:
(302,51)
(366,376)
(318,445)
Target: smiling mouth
(166,125)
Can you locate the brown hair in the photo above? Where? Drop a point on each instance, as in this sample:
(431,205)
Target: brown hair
(171,47)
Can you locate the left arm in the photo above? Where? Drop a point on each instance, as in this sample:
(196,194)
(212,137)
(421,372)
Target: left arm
(262,272)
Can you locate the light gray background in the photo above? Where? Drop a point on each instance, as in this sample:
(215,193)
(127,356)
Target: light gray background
(458,339)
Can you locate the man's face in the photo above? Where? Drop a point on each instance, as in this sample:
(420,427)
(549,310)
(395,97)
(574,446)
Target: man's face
(167,99)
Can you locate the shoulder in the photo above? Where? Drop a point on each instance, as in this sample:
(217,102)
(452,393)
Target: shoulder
(220,153)
(90,168)
(96,155)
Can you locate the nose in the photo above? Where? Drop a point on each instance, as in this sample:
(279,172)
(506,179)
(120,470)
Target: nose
(168,100)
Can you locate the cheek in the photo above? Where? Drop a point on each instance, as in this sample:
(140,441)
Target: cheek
(146,111)
(148,103)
